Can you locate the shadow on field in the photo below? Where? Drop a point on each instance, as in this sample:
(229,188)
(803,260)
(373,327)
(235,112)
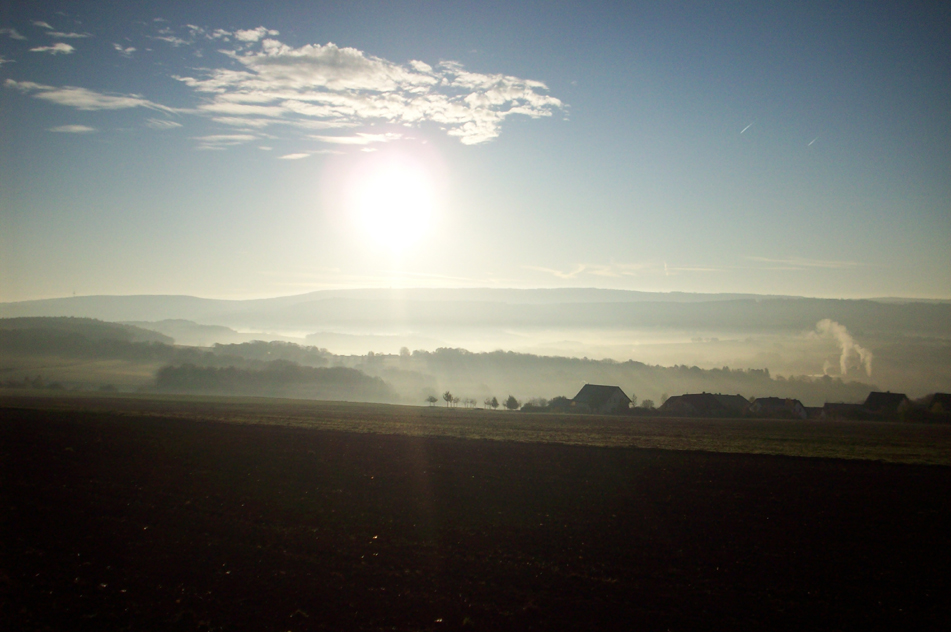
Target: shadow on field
(147,523)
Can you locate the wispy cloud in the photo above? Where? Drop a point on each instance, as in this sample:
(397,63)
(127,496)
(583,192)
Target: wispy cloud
(340,87)
(42,25)
(294,156)
(73,129)
(358,139)
(69,35)
(155,123)
(800,263)
(81,98)
(56,49)
(618,270)
(4,60)
(171,39)
(125,52)
(223,141)
(11,33)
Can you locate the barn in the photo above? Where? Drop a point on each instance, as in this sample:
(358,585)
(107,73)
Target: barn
(597,398)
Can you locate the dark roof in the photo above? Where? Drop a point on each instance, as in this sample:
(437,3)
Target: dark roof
(734,402)
(937,398)
(775,402)
(885,401)
(595,395)
(702,403)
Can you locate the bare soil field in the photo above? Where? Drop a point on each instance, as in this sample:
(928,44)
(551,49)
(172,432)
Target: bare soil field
(152,514)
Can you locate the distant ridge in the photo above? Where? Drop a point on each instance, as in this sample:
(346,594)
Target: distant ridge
(387,310)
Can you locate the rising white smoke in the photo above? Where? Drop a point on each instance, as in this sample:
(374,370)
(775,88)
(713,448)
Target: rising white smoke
(847,345)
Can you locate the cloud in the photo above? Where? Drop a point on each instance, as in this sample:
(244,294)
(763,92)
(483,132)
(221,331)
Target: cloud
(125,52)
(850,350)
(69,35)
(294,156)
(42,25)
(223,141)
(342,87)
(55,49)
(254,35)
(171,39)
(155,123)
(4,60)
(619,270)
(799,263)
(81,98)
(358,139)
(12,34)
(73,129)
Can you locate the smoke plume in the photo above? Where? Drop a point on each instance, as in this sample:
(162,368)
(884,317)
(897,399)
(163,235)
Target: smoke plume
(847,345)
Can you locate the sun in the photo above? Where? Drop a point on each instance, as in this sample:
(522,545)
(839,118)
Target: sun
(393,200)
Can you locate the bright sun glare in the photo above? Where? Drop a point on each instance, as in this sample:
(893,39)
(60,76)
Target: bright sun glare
(393,198)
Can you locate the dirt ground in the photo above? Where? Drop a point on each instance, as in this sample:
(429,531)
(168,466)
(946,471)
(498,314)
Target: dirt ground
(126,522)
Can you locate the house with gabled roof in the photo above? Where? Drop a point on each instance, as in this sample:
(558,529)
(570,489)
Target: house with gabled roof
(887,403)
(778,407)
(936,403)
(598,398)
(705,405)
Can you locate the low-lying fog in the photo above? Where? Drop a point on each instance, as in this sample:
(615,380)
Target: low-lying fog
(898,346)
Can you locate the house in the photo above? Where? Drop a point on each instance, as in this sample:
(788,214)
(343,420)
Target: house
(705,405)
(937,403)
(597,398)
(778,407)
(887,403)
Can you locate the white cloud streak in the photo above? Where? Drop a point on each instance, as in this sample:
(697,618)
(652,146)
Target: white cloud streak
(618,270)
(799,263)
(56,49)
(294,156)
(357,139)
(81,98)
(73,129)
(60,35)
(223,141)
(161,124)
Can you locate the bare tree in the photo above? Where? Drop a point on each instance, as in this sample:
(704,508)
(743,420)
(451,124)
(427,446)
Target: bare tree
(448,397)
(432,399)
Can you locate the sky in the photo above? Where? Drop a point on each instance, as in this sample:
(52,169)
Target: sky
(244,149)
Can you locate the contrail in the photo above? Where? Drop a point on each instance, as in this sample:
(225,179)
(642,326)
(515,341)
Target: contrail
(747,127)
(812,141)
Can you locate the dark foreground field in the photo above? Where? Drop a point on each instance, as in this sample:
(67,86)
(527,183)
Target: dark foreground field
(150,523)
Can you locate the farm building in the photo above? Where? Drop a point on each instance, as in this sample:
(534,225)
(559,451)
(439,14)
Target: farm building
(778,407)
(705,405)
(937,403)
(597,398)
(886,403)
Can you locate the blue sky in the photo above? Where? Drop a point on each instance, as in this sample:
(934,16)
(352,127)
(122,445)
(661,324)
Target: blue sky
(240,150)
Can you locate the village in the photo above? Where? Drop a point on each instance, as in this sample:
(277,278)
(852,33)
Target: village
(878,406)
